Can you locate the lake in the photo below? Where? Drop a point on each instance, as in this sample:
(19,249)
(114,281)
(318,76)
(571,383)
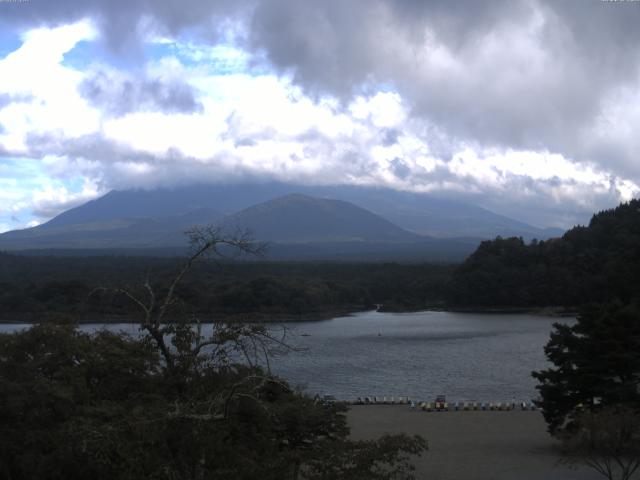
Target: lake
(465,356)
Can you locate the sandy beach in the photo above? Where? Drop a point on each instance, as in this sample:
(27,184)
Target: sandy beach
(475,445)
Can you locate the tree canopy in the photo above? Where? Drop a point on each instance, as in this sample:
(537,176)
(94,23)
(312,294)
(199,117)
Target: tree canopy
(596,363)
(594,263)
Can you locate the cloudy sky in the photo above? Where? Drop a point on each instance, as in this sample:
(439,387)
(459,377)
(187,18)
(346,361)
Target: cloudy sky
(530,108)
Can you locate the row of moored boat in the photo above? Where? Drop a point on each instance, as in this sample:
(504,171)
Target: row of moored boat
(444,406)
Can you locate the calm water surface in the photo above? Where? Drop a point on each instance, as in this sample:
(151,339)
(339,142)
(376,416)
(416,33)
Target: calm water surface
(466,356)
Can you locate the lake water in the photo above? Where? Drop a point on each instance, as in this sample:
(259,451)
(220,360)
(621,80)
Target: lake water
(466,356)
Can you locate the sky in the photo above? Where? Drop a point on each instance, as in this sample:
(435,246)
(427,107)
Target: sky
(529,108)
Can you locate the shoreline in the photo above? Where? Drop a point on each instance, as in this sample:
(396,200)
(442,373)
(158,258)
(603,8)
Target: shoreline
(266,317)
(471,445)
(548,311)
(254,317)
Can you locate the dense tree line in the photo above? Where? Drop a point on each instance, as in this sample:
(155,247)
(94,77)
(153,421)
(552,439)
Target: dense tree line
(595,263)
(35,286)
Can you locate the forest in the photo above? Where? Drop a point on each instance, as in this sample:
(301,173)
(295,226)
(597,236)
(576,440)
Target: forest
(83,288)
(593,263)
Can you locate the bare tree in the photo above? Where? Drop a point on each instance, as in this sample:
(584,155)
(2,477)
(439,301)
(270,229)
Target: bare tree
(606,440)
(181,341)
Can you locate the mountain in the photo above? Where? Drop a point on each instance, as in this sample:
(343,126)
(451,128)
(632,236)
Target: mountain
(321,221)
(431,216)
(104,232)
(297,218)
(416,212)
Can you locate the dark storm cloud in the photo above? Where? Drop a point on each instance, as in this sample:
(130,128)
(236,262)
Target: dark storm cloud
(118,94)
(334,46)
(527,74)
(496,92)
(519,74)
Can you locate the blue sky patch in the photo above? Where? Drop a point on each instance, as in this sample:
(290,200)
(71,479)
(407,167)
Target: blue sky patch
(10,41)
(82,54)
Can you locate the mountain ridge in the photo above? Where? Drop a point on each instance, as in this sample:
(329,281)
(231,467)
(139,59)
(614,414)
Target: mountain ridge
(315,223)
(307,219)
(420,213)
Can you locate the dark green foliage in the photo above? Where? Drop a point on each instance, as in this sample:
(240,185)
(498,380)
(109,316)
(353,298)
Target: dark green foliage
(596,363)
(594,263)
(64,398)
(105,406)
(33,286)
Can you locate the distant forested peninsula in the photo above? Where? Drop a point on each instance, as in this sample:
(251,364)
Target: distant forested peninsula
(596,263)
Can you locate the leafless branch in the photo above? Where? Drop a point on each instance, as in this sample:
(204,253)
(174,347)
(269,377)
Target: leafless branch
(251,341)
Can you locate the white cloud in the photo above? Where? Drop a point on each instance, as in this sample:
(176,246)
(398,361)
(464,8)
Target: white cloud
(384,109)
(261,124)
(31,191)
(54,199)
(35,72)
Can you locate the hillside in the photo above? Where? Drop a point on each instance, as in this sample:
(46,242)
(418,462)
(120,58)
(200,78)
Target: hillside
(297,218)
(317,223)
(84,231)
(296,226)
(415,212)
(432,216)
(595,263)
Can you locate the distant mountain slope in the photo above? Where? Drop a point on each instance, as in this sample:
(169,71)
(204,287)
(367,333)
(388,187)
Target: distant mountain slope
(142,204)
(416,212)
(341,221)
(123,232)
(296,226)
(297,218)
(289,219)
(432,216)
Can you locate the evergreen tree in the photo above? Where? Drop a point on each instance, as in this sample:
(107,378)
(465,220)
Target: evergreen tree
(596,363)
(596,263)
